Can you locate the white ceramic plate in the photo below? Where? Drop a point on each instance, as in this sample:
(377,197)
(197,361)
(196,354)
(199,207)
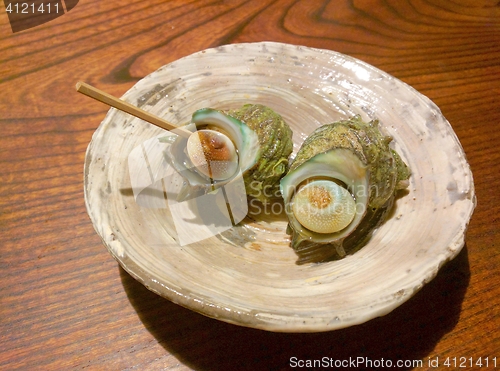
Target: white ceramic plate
(248,275)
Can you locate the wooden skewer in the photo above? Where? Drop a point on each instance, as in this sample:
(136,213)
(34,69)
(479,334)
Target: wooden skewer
(117,103)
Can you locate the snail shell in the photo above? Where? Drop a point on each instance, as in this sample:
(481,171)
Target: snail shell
(252,141)
(220,148)
(339,165)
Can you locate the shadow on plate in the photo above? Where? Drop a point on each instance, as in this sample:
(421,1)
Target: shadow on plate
(410,332)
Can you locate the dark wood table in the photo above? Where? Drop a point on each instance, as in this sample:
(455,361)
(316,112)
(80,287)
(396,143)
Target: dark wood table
(65,304)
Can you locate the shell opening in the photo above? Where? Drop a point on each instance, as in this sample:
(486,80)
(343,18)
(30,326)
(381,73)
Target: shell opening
(323,206)
(213,154)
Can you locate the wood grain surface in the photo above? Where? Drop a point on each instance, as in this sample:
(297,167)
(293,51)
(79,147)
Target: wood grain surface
(65,304)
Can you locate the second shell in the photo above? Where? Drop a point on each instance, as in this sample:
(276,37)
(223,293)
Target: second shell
(344,177)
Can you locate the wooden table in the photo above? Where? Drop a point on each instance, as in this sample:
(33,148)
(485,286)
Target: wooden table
(65,304)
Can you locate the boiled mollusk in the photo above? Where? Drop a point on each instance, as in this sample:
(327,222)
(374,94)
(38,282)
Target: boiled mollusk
(220,148)
(212,154)
(253,142)
(343,178)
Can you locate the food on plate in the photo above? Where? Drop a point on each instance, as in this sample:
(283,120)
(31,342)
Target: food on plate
(253,141)
(276,146)
(339,187)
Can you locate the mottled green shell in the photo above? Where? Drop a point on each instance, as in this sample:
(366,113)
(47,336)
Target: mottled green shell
(275,139)
(356,154)
(387,171)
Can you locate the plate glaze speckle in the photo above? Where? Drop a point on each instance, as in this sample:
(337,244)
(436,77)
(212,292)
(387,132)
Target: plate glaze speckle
(248,275)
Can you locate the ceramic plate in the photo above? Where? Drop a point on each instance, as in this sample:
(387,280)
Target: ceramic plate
(248,274)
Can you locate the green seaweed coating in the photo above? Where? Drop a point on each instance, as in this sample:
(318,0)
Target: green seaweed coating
(275,139)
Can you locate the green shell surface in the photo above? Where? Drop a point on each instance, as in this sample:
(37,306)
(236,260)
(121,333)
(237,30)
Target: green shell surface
(387,169)
(275,139)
